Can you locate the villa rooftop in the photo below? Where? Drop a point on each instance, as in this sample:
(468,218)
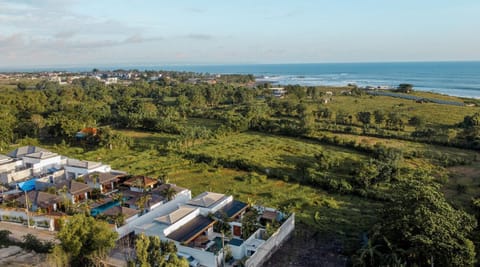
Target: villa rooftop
(192,229)
(140,181)
(5,159)
(83,164)
(206,199)
(25,150)
(116,210)
(103,177)
(42,199)
(232,209)
(74,187)
(41,155)
(176,215)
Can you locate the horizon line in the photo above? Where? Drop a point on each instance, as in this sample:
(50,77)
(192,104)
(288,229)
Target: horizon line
(113,66)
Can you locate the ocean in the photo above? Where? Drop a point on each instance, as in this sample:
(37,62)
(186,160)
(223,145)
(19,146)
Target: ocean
(451,78)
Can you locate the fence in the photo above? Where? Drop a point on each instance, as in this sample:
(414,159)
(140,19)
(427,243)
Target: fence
(34,220)
(266,250)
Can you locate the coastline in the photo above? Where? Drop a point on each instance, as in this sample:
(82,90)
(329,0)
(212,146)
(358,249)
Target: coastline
(453,78)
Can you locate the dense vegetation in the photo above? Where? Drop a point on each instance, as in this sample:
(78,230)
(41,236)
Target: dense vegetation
(345,161)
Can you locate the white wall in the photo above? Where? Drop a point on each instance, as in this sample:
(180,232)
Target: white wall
(181,222)
(238,252)
(265,251)
(37,219)
(38,165)
(17,176)
(82,171)
(8,167)
(206,211)
(204,257)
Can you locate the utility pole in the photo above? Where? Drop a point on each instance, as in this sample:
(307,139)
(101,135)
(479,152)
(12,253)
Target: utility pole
(26,208)
(223,248)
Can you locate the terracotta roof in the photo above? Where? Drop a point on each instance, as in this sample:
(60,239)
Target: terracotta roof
(114,211)
(140,180)
(206,199)
(103,177)
(74,187)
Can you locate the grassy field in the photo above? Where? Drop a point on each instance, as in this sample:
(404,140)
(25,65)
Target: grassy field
(271,152)
(468,176)
(434,114)
(344,217)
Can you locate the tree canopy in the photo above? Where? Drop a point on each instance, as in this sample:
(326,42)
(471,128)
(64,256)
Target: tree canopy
(86,239)
(419,228)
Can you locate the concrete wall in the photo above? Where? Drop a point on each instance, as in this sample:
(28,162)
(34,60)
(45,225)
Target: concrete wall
(238,252)
(82,171)
(38,165)
(181,198)
(17,176)
(265,251)
(205,258)
(8,167)
(39,221)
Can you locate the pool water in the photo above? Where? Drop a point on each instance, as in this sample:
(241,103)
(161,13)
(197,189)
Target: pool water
(97,210)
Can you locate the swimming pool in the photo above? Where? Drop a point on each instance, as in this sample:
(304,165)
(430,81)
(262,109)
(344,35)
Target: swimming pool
(97,210)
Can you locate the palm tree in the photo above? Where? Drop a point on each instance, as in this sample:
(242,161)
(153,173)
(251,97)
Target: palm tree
(84,206)
(66,201)
(142,202)
(169,192)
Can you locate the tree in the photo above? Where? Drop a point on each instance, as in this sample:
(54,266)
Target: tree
(364,117)
(86,239)
(141,247)
(420,228)
(21,86)
(151,252)
(379,116)
(169,192)
(417,121)
(249,223)
(405,88)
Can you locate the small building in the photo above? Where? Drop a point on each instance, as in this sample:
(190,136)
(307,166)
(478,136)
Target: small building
(116,211)
(76,168)
(209,202)
(141,183)
(278,92)
(40,162)
(40,200)
(106,182)
(76,192)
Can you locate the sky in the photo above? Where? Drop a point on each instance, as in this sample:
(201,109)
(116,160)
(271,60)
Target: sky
(36,33)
